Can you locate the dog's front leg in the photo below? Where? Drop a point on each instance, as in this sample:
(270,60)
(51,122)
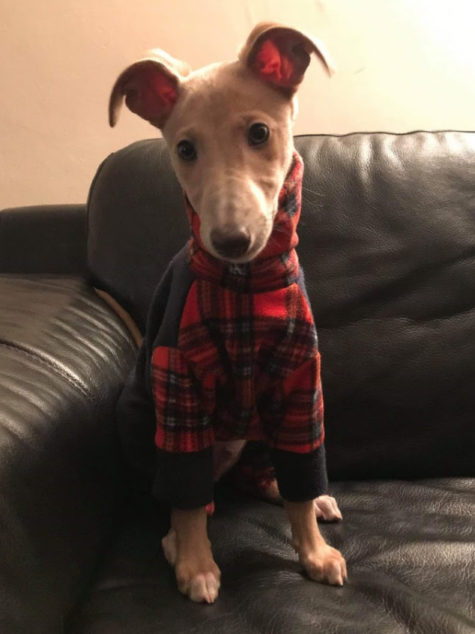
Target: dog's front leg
(320,561)
(188,549)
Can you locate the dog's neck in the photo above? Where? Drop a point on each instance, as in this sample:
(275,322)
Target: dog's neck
(277,264)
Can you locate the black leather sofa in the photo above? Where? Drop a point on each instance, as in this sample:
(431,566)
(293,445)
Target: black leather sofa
(388,246)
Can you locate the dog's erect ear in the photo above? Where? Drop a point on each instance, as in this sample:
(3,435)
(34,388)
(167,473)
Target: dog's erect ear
(150,87)
(280,55)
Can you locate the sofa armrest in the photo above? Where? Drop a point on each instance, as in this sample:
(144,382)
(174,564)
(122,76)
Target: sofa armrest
(64,356)
(46,239)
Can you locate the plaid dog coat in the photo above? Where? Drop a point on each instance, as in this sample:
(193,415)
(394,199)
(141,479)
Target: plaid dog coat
(231,352)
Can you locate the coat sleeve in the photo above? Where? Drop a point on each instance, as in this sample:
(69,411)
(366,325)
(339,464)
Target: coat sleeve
(298,452)
(184,434)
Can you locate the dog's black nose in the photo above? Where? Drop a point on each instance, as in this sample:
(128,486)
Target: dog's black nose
(231,242)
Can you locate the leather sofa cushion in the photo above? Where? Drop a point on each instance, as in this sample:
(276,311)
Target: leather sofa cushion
(409,548)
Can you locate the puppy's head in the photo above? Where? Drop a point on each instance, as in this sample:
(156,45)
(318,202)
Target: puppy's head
(229,131)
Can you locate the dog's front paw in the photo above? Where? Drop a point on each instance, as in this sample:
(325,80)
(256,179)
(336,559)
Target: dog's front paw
(198,577)
(326,508)
(199,580)
(325,564)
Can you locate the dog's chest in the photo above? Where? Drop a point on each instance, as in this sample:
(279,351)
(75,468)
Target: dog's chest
(245,342)
(242,365)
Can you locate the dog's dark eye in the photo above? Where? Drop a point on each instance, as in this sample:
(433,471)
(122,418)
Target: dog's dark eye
(258,134)
(186,150)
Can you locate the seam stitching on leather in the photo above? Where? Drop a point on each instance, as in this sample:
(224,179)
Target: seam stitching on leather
(37,357)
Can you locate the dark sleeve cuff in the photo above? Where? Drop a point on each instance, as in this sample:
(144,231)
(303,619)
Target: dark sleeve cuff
(185,480)
(301,477)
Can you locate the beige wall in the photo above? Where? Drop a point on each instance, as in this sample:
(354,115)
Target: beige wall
(403,65)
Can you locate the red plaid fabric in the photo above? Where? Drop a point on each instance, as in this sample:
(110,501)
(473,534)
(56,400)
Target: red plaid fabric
(247,363)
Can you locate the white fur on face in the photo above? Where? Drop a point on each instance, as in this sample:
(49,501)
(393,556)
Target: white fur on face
(231,183)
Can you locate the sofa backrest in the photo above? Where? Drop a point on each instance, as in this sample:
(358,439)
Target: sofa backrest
(387,242)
